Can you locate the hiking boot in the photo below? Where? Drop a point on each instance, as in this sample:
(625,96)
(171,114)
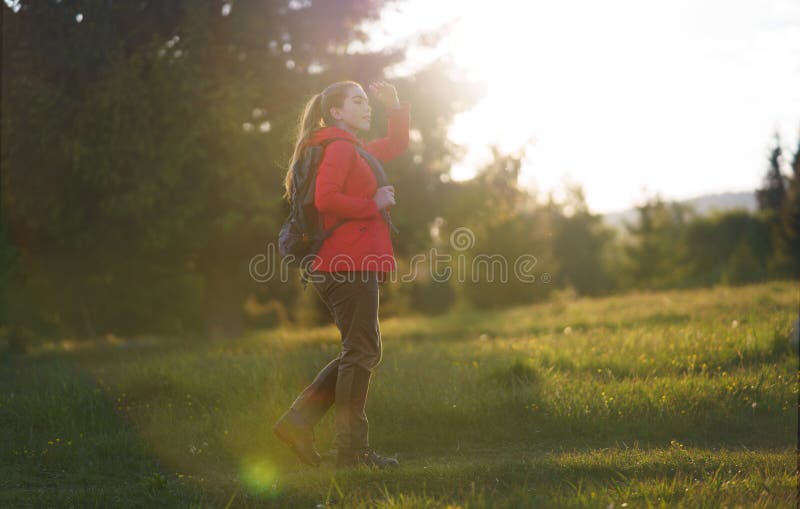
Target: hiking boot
(300,439)
(366,457)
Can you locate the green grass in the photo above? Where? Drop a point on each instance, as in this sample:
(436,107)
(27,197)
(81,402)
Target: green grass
(668,399)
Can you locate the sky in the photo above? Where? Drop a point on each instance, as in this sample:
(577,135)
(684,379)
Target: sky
(630,98)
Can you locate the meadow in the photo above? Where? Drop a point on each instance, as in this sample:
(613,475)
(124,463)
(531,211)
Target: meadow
(684,398)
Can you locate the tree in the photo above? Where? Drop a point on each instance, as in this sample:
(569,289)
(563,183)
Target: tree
(579,245)
(732,247)
(498,238)
(790,218)
(657,248)
(773,193)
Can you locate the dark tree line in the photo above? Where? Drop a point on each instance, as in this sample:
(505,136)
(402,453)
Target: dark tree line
(143,150)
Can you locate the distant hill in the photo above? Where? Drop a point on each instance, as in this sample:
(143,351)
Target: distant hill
(703,204)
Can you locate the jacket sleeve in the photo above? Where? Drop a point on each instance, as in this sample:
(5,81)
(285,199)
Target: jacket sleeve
(329,197)
(396,141)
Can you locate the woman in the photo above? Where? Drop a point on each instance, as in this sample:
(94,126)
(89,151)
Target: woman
(349,265)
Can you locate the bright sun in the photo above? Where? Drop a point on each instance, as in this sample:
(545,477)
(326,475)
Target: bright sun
(623,96)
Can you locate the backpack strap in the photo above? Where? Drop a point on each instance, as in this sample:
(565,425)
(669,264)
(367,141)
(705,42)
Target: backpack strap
(324,143)
(380,176)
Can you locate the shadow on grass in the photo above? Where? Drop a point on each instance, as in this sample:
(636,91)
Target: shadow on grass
(67,444)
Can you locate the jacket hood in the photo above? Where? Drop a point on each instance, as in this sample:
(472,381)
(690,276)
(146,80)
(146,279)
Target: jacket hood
(325,133)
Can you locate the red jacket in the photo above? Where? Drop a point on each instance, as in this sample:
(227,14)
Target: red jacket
(345,187)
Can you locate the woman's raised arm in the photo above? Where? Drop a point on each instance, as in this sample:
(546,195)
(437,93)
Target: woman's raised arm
(396,140)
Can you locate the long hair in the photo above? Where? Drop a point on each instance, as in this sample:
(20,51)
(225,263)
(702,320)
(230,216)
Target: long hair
(316,114)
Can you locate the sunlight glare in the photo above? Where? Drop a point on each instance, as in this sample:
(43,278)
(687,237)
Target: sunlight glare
(259,476)
(621,96)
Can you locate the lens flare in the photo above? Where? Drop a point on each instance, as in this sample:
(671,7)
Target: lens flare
(259,477)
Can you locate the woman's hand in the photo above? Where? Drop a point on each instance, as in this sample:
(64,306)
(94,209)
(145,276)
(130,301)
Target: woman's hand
(385,92)
(384,197)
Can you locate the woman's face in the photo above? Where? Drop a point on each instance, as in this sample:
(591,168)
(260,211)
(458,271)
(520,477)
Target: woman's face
(355,114)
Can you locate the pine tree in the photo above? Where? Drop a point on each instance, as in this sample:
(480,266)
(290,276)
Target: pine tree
(773,194)
(658,245)
(790,216)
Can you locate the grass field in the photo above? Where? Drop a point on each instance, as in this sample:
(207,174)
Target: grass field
(668,399)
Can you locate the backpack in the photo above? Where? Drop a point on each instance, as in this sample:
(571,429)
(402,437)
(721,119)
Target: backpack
(302,235)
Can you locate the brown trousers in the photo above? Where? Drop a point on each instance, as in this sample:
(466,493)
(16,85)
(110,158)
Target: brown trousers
(352,298)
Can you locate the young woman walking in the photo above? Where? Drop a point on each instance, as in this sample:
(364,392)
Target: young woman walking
(349,265)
